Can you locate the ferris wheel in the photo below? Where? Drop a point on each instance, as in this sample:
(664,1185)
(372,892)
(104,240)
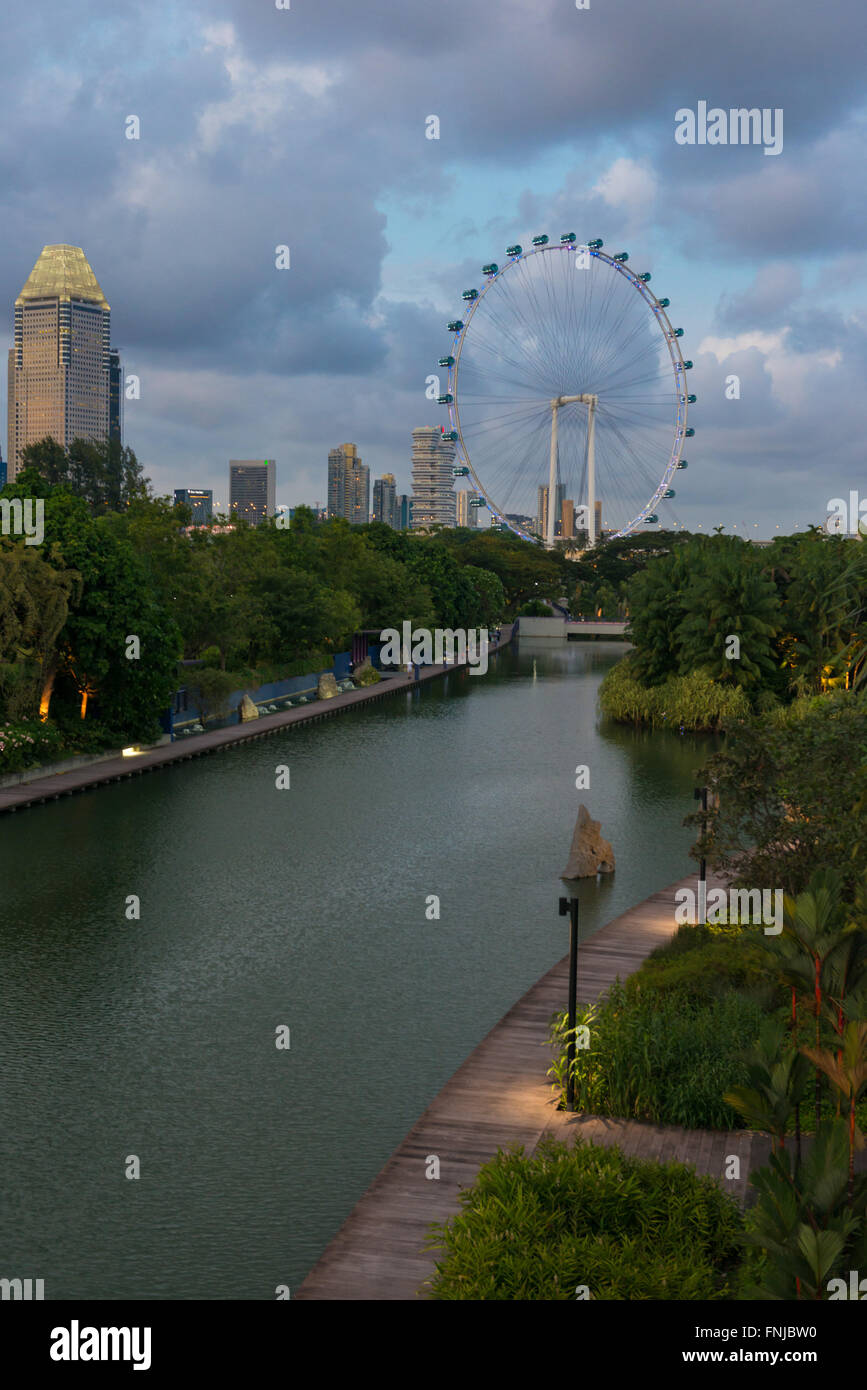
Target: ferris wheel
(567,393)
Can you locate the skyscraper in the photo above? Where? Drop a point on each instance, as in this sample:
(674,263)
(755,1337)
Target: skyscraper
(403,511)
(384,499)
(200,502)
(433,482)
(252,489)
(115,397)
(59,367)
(348,484)
(542,509)
(467,515)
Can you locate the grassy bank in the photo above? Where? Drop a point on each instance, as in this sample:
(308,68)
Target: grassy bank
(694,702)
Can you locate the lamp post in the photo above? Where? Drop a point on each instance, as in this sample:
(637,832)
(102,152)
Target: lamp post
(700,794)
(570,906)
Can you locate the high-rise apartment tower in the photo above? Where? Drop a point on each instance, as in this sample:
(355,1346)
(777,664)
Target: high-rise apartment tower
(433,481)
(348,485)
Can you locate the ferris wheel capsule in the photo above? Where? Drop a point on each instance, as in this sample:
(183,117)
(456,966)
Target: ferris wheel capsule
(664,303)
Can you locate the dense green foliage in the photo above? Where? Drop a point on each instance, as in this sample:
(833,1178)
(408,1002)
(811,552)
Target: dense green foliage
(808,1229)
(665,1045)
(695,701)
(800,1058)
(587,1217)
(107,476)
(792,789)
(251,604)
(602,576)
(27,743)
(770,622)
(74,609)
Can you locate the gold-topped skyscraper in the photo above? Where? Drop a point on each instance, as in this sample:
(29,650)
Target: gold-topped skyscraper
(59,368)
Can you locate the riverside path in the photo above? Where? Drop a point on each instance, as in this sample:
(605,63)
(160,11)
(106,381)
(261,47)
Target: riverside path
(19,795)
(501,1098)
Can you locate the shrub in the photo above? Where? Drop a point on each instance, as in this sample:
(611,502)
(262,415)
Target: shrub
(538,1227)
(28,743)
(660,1055)
(211,689)
(706,961)
(791,794)
(694,702)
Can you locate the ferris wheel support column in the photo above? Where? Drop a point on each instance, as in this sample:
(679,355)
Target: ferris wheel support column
(551,519)
(556,403)
(591,469)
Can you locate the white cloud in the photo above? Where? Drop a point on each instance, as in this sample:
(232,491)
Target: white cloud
(627,185)
(794,375)
(260,93)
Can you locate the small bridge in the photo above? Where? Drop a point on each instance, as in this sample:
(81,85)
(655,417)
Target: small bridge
(561,629)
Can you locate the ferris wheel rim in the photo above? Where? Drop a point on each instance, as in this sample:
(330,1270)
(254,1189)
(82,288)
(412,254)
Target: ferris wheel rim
(677,361)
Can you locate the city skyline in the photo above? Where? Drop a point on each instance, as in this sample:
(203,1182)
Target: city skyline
(762,257)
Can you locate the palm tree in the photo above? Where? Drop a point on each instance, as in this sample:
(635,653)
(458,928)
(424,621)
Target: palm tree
(848,1073)
(812,922)
(729,596)
(811,1222)
(777,1080)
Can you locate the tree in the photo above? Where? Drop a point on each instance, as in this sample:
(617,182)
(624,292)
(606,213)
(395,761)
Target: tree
(34,606)
(104,473)
(791,794)
(96,668)
(728,597)
(656,610)
(490,602)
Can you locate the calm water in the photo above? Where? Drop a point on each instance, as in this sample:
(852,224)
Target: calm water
(303,908)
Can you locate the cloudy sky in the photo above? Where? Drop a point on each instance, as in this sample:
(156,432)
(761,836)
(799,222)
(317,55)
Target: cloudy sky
(306,127)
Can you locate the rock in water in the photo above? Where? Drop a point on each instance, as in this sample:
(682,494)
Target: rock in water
(590,854)
(327,687)
(247,709)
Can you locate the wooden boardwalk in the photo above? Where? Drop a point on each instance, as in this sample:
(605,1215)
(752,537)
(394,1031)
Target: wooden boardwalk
(78,779)
(498,1099)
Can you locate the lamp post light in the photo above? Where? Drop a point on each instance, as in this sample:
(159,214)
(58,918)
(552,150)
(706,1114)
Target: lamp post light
(570,906)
